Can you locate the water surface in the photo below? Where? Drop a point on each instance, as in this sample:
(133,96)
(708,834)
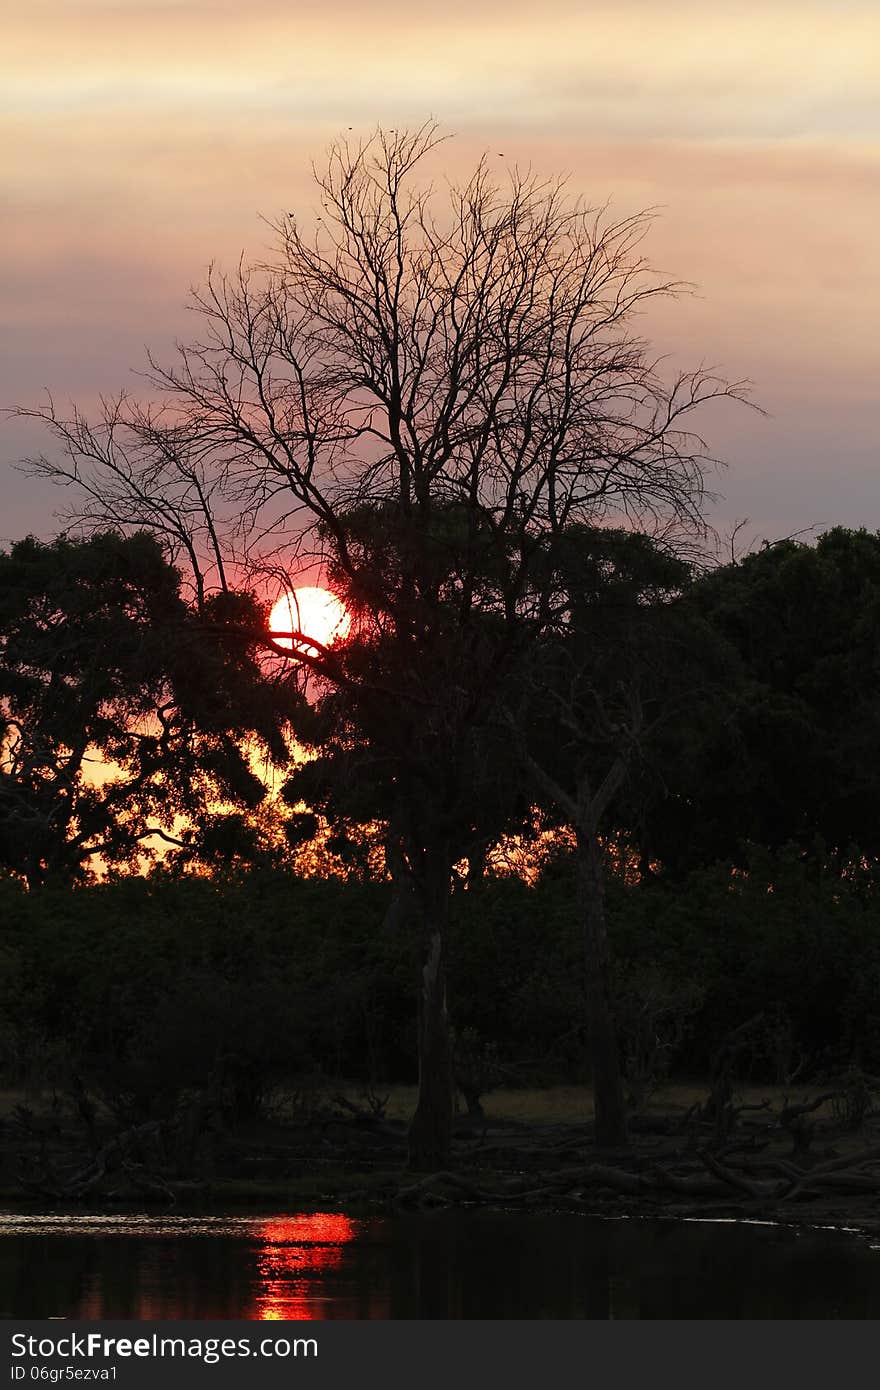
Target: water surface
(450,1264)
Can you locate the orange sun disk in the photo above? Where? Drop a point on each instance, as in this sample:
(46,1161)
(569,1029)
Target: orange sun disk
(313,611)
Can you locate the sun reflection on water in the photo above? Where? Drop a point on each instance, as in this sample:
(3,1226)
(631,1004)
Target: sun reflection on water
(295,1252)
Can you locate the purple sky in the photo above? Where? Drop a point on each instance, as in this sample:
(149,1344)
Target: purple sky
(142,138)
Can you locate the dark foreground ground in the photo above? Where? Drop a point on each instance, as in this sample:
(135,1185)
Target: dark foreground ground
(811,1156)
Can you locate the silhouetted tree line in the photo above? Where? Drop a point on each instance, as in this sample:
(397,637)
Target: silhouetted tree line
(739,862)
(147,992)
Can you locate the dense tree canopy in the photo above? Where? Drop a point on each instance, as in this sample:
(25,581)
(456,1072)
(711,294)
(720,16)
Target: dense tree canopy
(121,715)
(793,752)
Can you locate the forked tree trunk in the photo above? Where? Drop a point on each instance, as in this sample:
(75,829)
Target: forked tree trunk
(430,1133)
(610,1110)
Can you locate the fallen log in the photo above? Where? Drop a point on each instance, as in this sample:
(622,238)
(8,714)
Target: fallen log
(618,1179)
(753,1188)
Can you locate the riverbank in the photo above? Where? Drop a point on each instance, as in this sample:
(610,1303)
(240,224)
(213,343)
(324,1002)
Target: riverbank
(796,1157)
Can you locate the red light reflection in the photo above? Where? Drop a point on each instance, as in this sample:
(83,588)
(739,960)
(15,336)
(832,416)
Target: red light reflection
(295,1252)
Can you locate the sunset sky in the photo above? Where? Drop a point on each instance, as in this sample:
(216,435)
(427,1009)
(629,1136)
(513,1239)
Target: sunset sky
(142,138)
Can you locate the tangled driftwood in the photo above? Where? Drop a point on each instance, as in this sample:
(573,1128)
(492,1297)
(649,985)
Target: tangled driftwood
(756,1159)
(706,1176)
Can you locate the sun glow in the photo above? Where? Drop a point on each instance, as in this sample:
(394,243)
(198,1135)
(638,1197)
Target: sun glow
(313,611)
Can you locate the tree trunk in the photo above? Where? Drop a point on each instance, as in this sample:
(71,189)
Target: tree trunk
(609,1104)
(430,1133)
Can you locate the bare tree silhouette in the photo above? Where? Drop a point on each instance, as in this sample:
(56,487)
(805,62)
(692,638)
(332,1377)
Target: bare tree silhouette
(421,394)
